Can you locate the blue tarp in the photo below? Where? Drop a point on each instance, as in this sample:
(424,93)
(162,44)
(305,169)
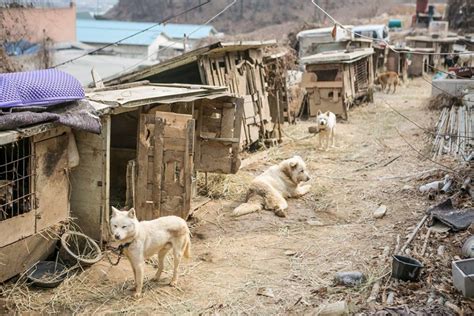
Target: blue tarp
(21,47)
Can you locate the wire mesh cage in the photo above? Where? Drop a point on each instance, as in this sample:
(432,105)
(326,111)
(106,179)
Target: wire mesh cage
(16,179)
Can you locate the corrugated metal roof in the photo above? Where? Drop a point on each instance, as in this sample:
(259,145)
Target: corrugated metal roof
(135,96)
(106,31)
(337,56)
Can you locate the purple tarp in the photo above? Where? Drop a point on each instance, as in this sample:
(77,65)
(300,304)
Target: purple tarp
(40,87)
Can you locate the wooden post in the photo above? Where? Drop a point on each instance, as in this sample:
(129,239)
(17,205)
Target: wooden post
(278,111)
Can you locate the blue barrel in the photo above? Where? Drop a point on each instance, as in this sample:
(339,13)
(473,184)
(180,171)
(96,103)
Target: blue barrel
(394,23)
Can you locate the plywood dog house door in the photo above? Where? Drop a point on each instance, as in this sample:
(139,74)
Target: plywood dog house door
(165,165)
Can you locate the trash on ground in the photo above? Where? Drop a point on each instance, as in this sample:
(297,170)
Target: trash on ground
(351,278)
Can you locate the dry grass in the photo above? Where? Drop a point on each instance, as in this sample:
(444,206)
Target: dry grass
(227,187)
(443,100)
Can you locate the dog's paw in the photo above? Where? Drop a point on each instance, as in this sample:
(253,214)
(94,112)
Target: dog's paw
(174,283)
(280,213)
(137,294)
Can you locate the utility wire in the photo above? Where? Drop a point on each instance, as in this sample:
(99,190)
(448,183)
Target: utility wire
(421,127)
(131,35)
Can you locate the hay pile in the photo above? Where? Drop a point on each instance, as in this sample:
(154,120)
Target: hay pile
(227,187)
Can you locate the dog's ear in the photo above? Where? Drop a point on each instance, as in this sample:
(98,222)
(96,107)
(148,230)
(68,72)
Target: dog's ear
(131,213)
(115,211)
(327,113)
(293,164)
(319,112)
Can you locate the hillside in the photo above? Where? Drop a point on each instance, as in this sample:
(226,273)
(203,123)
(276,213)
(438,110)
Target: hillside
(249,15)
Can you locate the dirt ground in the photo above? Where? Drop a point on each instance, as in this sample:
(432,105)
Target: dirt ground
(294,259)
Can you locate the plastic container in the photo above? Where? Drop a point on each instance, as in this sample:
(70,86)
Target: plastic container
(352,278)
(406,268)
(463,276)
(47,274)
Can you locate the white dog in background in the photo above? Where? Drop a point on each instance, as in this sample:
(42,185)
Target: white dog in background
(141,240)
(327,127)
(269,190)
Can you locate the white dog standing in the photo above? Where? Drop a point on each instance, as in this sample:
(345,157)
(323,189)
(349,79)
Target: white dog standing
(327,127)
(141,240)
(269,190)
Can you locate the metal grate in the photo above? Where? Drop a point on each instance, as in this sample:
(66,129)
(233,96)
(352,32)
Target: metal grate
(361,75)
(16,178)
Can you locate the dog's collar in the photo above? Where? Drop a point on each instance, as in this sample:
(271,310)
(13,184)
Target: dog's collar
(122,247)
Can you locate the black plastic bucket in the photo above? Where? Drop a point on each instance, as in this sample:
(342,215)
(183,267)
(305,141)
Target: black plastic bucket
(406,268)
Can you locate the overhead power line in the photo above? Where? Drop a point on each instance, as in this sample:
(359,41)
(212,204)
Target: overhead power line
(172,44)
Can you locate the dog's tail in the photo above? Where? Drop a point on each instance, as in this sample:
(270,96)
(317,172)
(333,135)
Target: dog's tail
(247,208)
(187,246)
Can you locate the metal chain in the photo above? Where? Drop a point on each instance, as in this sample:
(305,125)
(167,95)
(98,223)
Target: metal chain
(120,254)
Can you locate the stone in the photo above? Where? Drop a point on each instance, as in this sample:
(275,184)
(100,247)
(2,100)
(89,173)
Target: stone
(380,211)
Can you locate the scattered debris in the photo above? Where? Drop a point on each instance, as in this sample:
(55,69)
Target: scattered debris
(436,186)
(380,211)
(390,298)
(468,248)
(456,219)
(312,222)
(313,129)
(462,276)
(453,131)
(406,268)
(265,291)
(352,278)
(290,253)
(335,309)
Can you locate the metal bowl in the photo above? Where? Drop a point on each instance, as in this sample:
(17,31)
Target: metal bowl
(47,274)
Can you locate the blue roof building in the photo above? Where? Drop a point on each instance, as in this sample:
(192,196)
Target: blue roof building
(107,31)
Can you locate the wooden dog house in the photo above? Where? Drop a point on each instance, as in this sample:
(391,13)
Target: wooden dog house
(34,193)
(440,45)
(236,65)
(335,80)
(155,138)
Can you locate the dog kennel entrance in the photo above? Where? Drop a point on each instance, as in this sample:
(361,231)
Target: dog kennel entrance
(123,153)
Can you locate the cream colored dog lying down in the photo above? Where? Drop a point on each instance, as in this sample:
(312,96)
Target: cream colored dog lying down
(141,240)
(270,189)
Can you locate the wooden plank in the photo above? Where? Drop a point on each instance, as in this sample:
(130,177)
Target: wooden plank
(176,144)
(206,70)
(324,84)
(197,140)
(17,228)
(144,210)
(21,255)
(51,181)
(188,169)
(158,164)
(87,182)
(220,73)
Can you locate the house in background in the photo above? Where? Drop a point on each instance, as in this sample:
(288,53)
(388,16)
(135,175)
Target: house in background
(149,44)
(35,22)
